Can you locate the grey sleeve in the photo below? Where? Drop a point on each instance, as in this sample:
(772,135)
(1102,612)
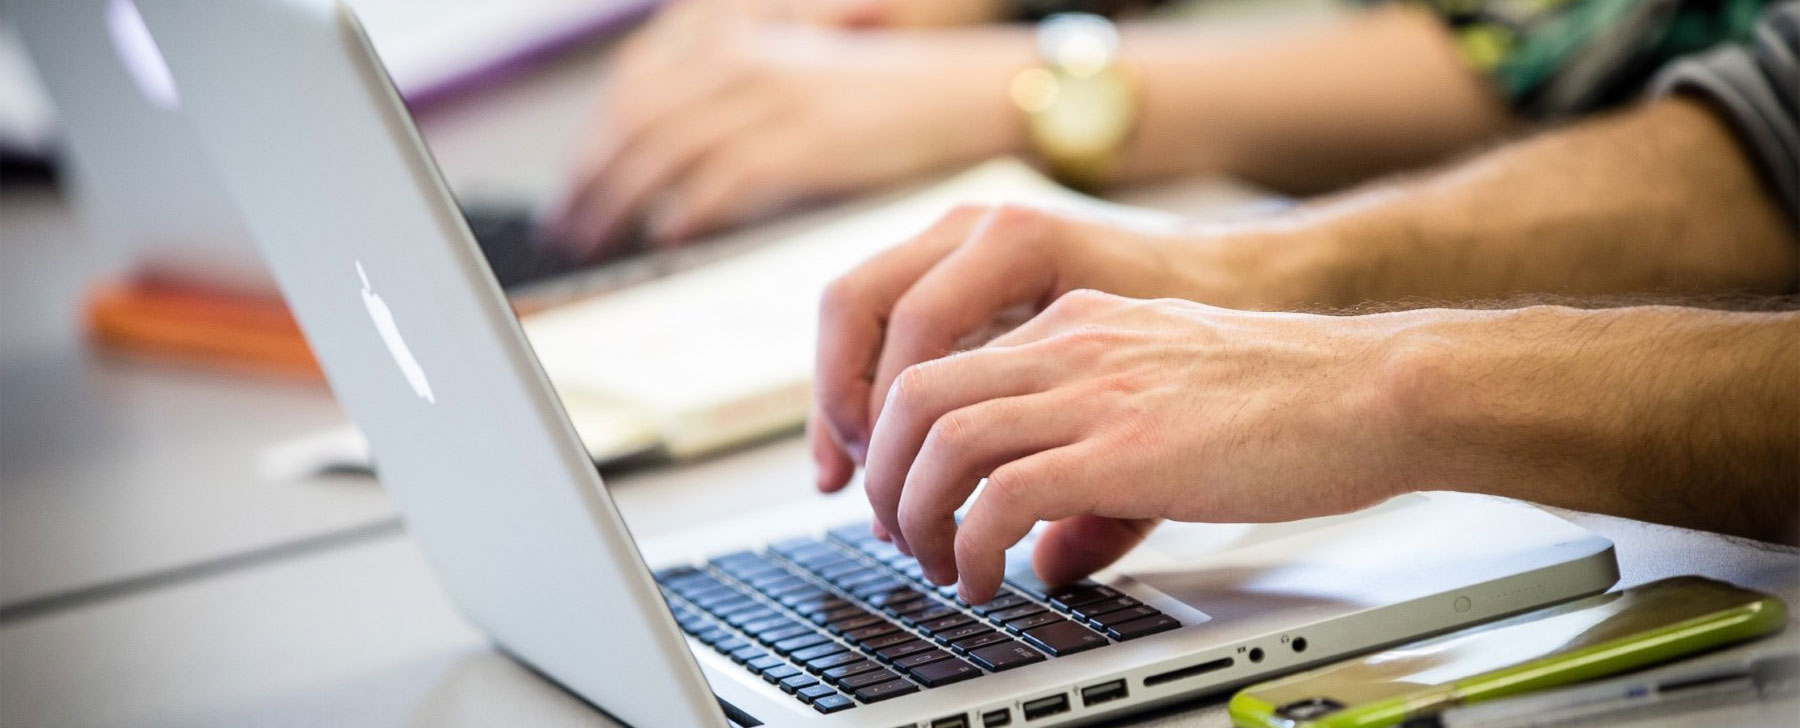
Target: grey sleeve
(1755,87)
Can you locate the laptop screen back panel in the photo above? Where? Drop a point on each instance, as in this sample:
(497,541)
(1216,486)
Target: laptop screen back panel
(420,346)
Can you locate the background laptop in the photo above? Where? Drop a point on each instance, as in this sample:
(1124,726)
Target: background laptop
(141,178)
(787,618)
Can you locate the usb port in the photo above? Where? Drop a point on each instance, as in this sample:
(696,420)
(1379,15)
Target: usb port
(1097,694)
(1045,707)
(953,721)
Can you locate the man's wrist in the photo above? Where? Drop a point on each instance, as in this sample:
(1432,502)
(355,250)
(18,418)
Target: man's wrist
(1263,268)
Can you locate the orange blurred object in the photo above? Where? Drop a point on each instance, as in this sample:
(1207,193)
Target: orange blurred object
(183,324)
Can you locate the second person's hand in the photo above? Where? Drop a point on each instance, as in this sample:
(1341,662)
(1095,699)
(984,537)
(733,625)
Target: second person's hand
(710,118)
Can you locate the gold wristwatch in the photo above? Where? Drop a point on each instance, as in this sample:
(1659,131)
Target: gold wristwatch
(1080,105)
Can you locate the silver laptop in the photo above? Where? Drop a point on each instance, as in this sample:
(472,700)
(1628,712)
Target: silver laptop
(789,617)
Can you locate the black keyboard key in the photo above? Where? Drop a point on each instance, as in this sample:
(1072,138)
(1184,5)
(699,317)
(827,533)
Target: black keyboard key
(848,611)
(784,633)
(1022,579)
(1008,615)
(1075,595)
(768,625)
(833,570)
(729,608)
(902,608)
(1140,627)
(851,535)
(858,578)
(715,635)
(886,640)
(876,586)
(871,632)
(731,645)
(779,673)
(775,582)
(919,658)
(943,672)
(858,624)
(795,682)
(895,652)
(926,615)
(796,545)
(764,663)
(1033,622)
(865,679)
(833,703)
(953,621)
(714,597)
(808,593)
(840,672)
(815,607)
(814,692)
(800,643)
(739,619)
(746,654)
(1111,604)
(785,590)
(1121,616)
(979,641)
(964,632)
(883,691)
(816,651)
(1006,600)
(895,596)
(1064,638)
(821,664)
(741,561)
(819,612)
(1005,656)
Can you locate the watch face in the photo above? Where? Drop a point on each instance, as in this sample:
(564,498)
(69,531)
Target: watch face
(1091,116)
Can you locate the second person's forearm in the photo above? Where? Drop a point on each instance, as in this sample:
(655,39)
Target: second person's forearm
(1307,108)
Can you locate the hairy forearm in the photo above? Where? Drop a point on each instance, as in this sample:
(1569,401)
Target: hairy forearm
(1682,416)
(1304,109)
(1656,200)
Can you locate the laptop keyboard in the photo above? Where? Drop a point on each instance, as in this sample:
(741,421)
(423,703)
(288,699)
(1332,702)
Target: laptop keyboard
(848,620)
(509,240)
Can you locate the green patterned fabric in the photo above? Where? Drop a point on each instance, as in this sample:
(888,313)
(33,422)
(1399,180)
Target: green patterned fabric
(1557,57)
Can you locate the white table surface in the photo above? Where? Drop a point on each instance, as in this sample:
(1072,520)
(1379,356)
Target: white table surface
(361,635)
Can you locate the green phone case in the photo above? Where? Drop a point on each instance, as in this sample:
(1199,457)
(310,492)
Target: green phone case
(1593,637)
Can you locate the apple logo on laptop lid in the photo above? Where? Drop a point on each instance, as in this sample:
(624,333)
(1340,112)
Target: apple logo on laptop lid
(390,335)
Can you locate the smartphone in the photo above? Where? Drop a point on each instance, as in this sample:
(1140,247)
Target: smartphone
(1580,640)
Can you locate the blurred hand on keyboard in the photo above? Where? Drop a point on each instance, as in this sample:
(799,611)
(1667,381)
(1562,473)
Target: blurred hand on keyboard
(708,119)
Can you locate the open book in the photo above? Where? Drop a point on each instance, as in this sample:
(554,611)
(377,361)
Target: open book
(721,354)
